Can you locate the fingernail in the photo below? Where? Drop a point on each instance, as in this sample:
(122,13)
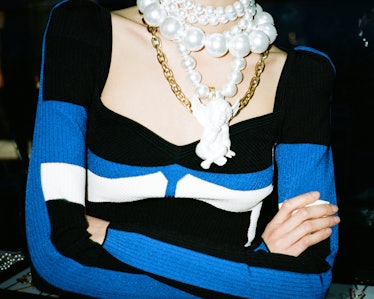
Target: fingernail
(336,219)
(335,208)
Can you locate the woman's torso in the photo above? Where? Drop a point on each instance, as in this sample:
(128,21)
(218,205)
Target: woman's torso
(142,140)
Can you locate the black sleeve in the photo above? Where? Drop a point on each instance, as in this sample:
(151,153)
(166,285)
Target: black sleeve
(76,51)
(307,99)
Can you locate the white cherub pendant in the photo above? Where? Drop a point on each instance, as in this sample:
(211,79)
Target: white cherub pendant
(214,117)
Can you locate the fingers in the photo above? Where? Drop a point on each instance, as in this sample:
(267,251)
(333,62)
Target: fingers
(313,212)
(281,239)
(291,205)
(312,230)
(301,222)
(307,241)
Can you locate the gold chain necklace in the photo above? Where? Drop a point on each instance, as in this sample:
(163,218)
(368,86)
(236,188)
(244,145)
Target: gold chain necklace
(169,75)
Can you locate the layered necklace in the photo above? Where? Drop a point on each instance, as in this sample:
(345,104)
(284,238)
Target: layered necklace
(253,31)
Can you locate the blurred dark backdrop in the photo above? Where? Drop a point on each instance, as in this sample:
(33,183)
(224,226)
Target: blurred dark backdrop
(343,30)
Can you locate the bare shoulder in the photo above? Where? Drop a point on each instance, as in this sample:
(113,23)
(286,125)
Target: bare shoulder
(127,24)
(277,55)
(275,50)
(275,62)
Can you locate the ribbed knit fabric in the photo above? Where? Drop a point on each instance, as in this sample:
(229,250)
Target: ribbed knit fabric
(176,230)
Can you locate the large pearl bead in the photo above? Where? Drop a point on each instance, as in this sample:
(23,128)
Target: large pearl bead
(142,4)
(194,39)
(216,45)
(171,28)
(263,18)
(270,30)
(259,41)
(154,14)
(240,45)
(258,9)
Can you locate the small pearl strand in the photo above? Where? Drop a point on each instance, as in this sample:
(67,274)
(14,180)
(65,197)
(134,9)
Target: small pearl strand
(195,77)
(204,15)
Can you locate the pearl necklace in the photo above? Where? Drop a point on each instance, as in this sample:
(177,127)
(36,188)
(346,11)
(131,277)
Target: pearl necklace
(254,32)
(197,13)
(202,90)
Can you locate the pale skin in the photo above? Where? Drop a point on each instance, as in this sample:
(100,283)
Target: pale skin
(134,64)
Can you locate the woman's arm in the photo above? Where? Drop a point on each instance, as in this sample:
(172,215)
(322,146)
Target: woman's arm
(299,225)
(60,247)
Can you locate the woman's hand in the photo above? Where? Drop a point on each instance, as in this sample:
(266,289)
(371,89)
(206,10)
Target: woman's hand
(97,228)
(299,224)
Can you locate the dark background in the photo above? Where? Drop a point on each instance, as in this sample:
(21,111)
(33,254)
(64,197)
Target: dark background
(343,30)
